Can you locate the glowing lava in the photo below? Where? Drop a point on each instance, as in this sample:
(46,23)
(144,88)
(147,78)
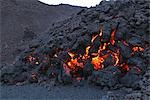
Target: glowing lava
(112,36)
(104,53)
(97,59)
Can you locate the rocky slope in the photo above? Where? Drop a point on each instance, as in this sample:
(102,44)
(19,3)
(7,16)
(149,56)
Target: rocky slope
(16,15)
(130,18)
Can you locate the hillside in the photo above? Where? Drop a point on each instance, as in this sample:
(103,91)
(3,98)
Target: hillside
(16,15)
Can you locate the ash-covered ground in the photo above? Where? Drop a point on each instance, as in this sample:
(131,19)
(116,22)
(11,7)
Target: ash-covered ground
(129,17)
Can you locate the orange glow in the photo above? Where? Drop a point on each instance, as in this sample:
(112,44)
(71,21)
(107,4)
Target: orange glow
(103,47)
(71,54)
(86,55)
(87,51)
(136,49)
(101,32)
(125,67)
(97,61)
(106,52)
(93,38)
(116,57)
(98,58)
(73,63)
(112,37)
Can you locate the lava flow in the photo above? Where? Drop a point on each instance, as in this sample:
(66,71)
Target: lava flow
(98,58)
(108,52)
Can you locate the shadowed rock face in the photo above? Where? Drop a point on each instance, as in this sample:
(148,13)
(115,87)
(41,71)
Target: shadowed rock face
(16,15)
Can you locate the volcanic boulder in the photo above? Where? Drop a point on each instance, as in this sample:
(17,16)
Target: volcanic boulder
(108,77)
(131,79)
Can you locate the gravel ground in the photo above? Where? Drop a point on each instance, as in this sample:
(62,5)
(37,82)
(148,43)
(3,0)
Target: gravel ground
(30,92)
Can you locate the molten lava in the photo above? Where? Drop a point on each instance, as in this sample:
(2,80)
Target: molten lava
(73,63)
(97,59)
(115,56)
(77,61)
(112,36)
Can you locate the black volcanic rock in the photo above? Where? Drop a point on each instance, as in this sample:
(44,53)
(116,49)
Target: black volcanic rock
(74,34)
(131,79)
(107,77)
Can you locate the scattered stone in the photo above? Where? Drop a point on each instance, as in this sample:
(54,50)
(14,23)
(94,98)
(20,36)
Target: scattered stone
(133,96)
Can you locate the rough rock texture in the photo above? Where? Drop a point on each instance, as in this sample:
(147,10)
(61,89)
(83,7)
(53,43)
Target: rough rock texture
(16,15)
(75,34)
(106,77)
(132,94)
